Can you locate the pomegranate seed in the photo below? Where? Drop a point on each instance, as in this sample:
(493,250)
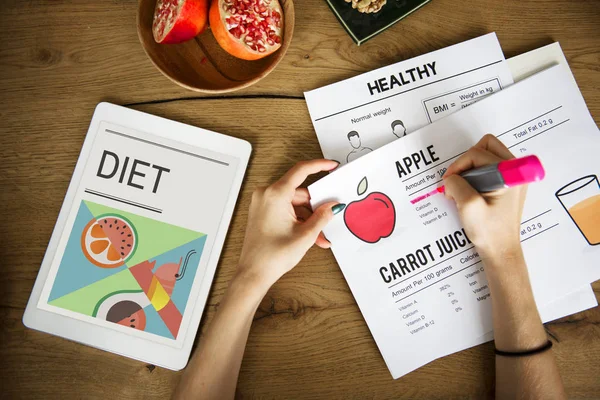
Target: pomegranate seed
(236,32)
(253,22)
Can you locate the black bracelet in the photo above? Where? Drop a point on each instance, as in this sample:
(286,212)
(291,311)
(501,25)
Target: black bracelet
(540,349)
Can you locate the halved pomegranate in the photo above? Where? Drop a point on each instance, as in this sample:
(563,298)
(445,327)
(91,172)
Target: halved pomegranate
(247,29)
(176,21)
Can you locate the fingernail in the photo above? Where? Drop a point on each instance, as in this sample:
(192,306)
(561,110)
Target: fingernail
(338,208)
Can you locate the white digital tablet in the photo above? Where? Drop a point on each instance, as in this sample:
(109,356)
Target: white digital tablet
(136,244)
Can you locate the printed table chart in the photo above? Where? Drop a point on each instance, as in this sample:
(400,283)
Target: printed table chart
(308,340)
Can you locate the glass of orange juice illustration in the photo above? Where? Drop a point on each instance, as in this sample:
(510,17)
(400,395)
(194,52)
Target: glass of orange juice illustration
(581,199)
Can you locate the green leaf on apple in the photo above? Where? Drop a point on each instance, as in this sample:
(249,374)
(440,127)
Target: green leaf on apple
(362,186)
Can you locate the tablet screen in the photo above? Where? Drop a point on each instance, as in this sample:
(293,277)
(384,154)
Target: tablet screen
(139,234)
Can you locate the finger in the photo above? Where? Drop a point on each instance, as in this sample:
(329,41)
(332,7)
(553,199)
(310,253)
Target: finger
(302,213)
(492,144)
(299,172)
(322,242)
(459,190)
(318,220)
(338,164)
(473,158)
(301,197)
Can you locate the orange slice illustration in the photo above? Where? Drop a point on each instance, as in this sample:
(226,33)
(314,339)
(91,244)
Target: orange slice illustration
(108,241)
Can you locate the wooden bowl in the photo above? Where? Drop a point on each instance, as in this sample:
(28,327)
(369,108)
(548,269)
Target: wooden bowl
(201,64)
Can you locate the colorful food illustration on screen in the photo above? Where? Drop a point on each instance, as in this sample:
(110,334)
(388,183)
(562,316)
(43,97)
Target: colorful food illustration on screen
(124,308)
(581,200)
(371,218)
(127,269)
(127,308)
(108,241)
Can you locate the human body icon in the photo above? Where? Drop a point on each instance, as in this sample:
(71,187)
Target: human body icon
(398,128)
(357,149)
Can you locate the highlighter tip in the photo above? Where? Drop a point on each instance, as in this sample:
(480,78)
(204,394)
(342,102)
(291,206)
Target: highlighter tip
(441,189)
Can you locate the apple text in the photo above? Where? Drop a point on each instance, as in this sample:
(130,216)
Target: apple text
(416,161)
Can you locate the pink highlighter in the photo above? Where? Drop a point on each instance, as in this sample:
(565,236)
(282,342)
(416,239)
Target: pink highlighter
(505,174)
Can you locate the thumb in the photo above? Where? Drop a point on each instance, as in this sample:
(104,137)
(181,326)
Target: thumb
(318,220)
(459,190)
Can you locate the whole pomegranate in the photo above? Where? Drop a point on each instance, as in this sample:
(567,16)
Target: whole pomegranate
(247,29)
(176,21)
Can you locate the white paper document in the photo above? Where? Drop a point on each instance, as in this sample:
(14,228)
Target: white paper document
(356,116)
(521,67)
(416,277)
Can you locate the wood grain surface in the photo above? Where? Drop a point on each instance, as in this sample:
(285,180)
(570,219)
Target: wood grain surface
(58,59)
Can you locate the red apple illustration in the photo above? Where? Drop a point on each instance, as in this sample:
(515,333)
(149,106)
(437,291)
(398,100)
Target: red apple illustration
(371,218)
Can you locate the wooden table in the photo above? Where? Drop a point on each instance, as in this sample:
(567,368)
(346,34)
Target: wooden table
(58,59)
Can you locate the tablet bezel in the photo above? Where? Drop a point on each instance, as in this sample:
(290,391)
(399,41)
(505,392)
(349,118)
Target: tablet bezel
(105,338)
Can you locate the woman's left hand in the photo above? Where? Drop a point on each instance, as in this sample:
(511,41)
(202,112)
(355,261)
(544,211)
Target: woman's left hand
(281,226)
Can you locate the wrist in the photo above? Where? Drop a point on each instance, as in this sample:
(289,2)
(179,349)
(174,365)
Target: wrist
(252,285)
(501,256)
(507,274)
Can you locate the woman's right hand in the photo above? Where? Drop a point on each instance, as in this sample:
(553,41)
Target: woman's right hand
(492,221)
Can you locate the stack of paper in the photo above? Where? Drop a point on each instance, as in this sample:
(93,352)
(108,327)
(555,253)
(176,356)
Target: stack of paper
(416,277)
